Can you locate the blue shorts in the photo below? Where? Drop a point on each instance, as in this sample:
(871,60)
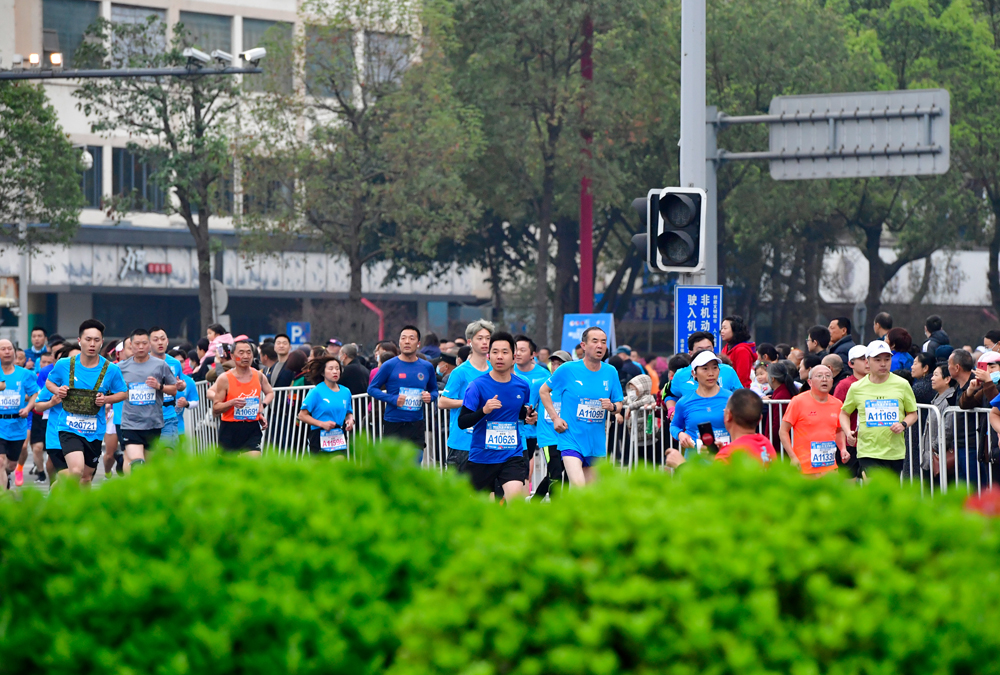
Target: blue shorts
(587,461)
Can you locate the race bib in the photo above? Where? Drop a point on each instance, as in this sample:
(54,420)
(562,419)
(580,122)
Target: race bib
(545,415)
(822,454)
(249,411)
(139,393)
(10,399)
(413,400)
(882,412)
(82,424)
(589,410)
(501,435)
(332,440)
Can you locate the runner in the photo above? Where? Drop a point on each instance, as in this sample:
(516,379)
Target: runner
(189,399)
(858,361)
(493,406)
(241,394)
(408,383)
(882,399)
(114,452)
(683,383)
(815,418)
(741,417)
(705,406)
(40,420)
(588,390)
(478,334)
(149,381)
(51,408)
(39,336)
(535,375)
(548,439)
(328,410)
(159,341)
(16,403)
(90,381)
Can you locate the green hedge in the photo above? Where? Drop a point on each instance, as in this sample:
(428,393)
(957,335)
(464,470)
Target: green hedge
(216,566)
(725,570)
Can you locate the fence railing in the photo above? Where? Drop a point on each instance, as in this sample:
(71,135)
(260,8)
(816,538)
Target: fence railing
(641,438)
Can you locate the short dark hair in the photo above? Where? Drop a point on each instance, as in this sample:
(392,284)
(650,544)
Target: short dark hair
(156,329)
(432,340)
(91,323)
(463,352)
(746,408)
(943,367)
(583,338)
(820,335)
(501,336)
(811,361)
(884,319)
(550,351)
(410,327)
(217,328)
(525,338)
(768,350)
(783,349)
(698,336)
(899,339)
(993,336)
(268,351)
(138,331)
(678,361)
(203,344)
(67,347)
(44,332)
(928,360)
(933,323)
(739,327)
(282,335)
(844,323)
(963,360)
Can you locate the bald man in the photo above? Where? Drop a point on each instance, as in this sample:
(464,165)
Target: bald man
(814,416)
(16,403)
(836,366)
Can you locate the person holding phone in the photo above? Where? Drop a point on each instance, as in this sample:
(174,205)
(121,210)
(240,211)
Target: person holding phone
(704,406)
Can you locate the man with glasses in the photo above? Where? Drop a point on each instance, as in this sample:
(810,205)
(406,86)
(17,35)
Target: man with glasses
(814,417)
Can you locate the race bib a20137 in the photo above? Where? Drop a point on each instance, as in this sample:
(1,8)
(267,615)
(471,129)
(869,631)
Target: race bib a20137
(139,393)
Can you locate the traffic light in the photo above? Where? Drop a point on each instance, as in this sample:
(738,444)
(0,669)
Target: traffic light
(675,229)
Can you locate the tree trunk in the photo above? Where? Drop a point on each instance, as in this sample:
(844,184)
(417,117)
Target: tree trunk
(204,251)
(876,269)
(542,263)
(566,292)
(925,283)
(993,274)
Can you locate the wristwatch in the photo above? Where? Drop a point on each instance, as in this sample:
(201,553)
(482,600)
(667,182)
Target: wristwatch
(905,425)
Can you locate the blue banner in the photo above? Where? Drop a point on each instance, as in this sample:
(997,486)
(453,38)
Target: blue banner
(696,308)
(575,324)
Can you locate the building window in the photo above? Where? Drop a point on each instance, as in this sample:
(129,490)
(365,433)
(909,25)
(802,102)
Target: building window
(267,190)
(155,42)
(132,179)
(63,24)
(329,62)
(90,181)
(387,57)
(276,37)
(208,32)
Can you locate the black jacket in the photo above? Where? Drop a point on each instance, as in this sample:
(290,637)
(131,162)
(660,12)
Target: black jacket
(355,377)
(937,338)
(842,348)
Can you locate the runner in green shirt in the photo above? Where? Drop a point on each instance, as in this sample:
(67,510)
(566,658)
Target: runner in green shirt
(886,408)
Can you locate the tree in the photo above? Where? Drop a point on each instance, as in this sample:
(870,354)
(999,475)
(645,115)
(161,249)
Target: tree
(181,127)
(39,169)
(370,153)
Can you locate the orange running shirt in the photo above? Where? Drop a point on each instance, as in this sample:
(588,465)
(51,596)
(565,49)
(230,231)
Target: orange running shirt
(814,432)
(250,391)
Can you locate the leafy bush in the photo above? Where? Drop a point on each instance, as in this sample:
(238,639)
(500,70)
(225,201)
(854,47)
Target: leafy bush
(724,570)
(223,565)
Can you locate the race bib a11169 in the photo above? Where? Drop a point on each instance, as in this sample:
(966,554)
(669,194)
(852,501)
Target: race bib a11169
(882,412)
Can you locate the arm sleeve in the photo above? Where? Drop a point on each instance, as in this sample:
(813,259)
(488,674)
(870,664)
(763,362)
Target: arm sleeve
(468,418)
(379,381)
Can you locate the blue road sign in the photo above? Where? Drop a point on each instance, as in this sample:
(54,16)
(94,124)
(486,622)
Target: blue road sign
(696,308)
(298,332)
(575,324)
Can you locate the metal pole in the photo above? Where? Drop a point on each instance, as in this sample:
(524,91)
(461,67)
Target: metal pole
(693,166)
(586,198)
(22,287)
(34,74)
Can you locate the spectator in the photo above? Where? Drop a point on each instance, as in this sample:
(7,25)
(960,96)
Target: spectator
(630,368)
(431,347)
(784,350)
(818,340)
(923,366)
(900,342)
(783,388)
(675,363)
(836,366)
(542,356)
(736,345)
(840,339)
(353,375)
(960,366)
(795,356)
(936,337)
(319,352)
(383,352)
(333,347)
(983,386)
(760,384)
(808,363)
(991,340)
(882,325)
(293,374)
(944,391)
(769,354)
(447,364)
(650,368)
(460,341)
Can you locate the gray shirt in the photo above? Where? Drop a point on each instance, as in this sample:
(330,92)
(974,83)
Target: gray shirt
(143,409)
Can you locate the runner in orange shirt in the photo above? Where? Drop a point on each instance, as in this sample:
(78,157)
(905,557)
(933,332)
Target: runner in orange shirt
(814,416)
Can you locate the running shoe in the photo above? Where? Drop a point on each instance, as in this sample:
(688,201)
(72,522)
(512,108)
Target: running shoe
(18,477)
(40,477)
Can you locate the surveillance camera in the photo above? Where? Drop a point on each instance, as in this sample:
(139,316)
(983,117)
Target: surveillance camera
(222,57)
(17,60)
(192,54)
(254,55)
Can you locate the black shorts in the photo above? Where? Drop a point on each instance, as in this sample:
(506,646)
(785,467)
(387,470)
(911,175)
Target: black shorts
(459,459)
(240,436)
(555,463)
(868,464)
(486,476)
(39,425)
(58,461)
(72,443)
(143,437)
(531,444)
(408,431)
(314,445)
(11,448)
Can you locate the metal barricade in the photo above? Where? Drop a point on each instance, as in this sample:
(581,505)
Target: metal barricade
(970,445)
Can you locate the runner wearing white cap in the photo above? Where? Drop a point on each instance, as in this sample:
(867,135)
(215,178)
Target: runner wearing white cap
(886,408)
(705,406)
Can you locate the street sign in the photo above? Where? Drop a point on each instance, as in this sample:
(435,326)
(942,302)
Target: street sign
(859,135)
(575,324)
(298,332)
(696,308)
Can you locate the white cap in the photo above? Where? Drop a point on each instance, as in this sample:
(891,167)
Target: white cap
(990,357)
(120,346)
(704,358)
(876,347)
(857,352)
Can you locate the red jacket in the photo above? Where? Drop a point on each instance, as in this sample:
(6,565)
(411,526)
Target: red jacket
(755,445)
(743,356)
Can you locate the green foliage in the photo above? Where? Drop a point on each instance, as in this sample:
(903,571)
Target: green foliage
(724,570)
(224,565)
(39,169)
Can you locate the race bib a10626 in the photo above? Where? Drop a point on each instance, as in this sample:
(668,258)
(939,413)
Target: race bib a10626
(590,410)
(882,412)
(501,436)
